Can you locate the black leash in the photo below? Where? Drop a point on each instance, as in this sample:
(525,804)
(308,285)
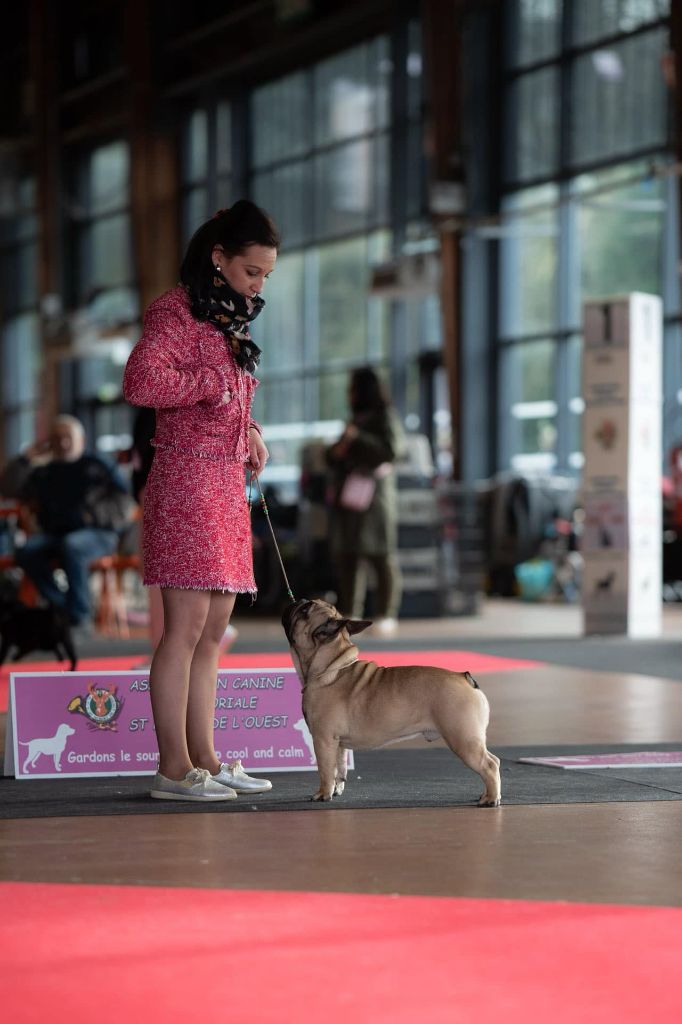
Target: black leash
(272,532)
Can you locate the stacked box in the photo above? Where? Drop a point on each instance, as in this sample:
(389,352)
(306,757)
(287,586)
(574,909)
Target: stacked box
(418,547)
(417,516)
(464,546)
(622,533)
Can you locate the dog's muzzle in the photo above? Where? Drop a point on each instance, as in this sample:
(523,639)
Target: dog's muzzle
(291,613)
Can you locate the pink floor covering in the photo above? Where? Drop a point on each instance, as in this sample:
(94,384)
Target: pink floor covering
(83,953)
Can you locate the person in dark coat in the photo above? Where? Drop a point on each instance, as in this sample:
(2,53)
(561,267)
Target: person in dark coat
(79,502)
(364,517)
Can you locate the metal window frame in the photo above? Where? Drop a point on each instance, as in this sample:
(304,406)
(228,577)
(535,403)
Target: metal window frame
(13,409)
(396,131)
(565,328)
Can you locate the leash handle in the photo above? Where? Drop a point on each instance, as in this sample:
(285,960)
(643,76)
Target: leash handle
(264,506)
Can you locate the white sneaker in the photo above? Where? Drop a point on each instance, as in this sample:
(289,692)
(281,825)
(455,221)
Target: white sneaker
(385,627)
(196,785)
(234,775)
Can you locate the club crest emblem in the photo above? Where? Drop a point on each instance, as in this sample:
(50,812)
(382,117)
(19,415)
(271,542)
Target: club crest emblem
(100,706)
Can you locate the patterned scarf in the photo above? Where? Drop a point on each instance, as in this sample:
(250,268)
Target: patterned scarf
(231,313)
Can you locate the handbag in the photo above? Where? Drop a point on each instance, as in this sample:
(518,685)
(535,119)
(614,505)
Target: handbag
(357,492)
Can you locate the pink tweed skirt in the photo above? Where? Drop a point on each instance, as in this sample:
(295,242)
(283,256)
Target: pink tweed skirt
(196,531)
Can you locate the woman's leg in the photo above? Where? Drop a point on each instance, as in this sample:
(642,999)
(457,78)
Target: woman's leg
(155,617)
(202,683)
(185,615)
(389,585)
(352,576)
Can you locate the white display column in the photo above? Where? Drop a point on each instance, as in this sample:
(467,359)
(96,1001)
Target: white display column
(621,541)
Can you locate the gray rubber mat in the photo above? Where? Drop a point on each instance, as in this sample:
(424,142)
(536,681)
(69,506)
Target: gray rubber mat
(382,779)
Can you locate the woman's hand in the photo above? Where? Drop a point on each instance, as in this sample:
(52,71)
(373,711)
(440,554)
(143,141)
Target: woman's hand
(258,453)
(227,397)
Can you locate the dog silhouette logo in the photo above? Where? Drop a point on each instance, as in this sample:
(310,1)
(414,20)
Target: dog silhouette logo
(301,727)
(50,746)
(101,706)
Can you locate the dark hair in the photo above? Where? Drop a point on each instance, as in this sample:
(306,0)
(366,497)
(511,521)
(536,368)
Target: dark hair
(235,229)
(366,391)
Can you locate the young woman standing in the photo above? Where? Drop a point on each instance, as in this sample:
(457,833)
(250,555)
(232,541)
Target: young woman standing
(194,365)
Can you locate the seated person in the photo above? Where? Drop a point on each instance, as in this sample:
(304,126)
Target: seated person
(76,500)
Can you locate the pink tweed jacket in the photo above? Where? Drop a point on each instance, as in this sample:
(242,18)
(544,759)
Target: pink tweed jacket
(182,368)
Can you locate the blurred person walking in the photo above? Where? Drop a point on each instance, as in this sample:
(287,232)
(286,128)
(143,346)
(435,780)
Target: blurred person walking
(194,365)
(364,515)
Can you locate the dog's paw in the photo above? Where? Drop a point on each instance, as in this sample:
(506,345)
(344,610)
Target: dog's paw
(339,787)
(485,801)
(322,796)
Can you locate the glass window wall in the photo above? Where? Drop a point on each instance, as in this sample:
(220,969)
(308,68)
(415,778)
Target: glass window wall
(20,338)
(281,326)
(327,182)
(594,221)
(352,92)
(103,307)
(620,231)
(594,21)
(21,363)
(285,192)
(207,165)
(100,222)
(281,116)
(619,99)
(533,150)
(534,30)
(529,252)
(528,371)
(319,151)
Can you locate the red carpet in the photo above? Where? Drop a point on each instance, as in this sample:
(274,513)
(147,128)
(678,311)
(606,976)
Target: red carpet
(460,661)
(78,954)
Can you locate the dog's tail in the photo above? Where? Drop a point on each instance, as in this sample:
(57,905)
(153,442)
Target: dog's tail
(472,682)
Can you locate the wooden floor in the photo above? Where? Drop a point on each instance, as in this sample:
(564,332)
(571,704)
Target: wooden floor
(618,852)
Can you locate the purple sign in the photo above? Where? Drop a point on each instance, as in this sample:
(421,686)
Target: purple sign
(100,723)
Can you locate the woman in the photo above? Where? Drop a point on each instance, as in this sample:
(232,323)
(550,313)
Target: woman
(364,527)
(194,365)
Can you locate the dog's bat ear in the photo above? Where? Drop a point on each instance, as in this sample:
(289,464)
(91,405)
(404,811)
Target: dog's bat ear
(329,629)
(357,625)
(332,627)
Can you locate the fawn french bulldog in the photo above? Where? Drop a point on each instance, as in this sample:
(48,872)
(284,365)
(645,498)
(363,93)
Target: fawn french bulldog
(353,704)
